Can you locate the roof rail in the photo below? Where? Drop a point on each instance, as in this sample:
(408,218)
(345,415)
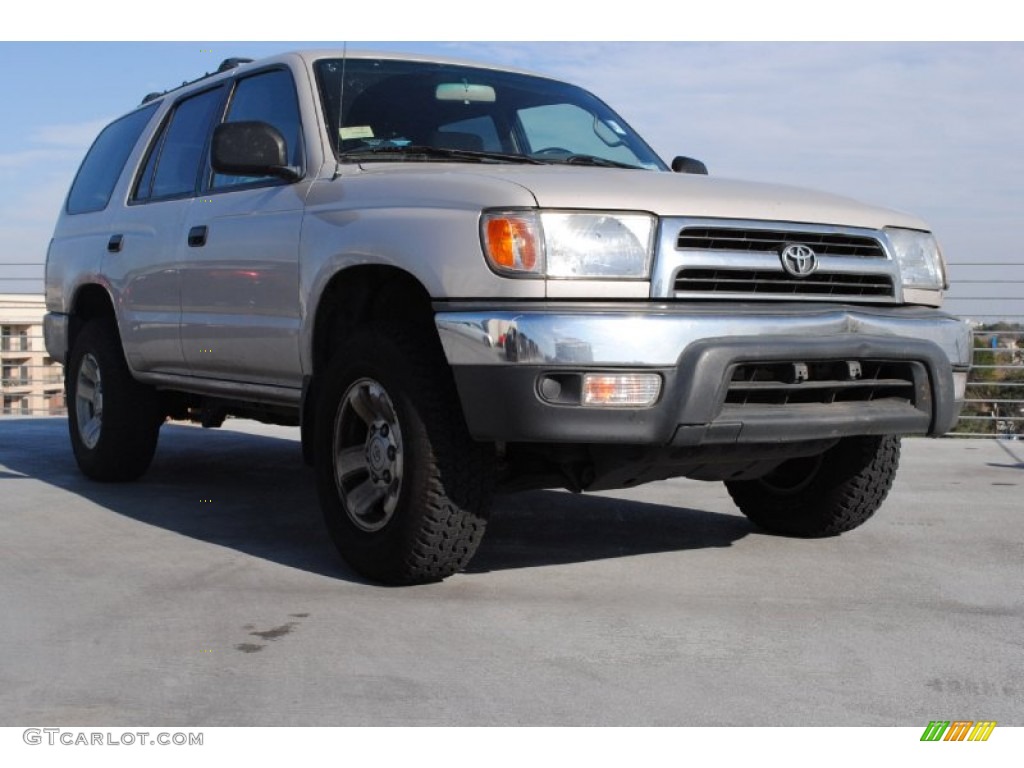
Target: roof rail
(237,61)
(225,65)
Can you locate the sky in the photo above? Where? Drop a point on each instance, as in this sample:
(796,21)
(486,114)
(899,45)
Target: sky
(925,127)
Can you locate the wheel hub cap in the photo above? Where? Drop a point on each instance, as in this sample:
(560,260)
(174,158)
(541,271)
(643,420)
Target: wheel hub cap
(89,401)
(381,453)
(368,461)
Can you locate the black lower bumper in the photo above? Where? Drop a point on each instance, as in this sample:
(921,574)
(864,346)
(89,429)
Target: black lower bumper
(731,391)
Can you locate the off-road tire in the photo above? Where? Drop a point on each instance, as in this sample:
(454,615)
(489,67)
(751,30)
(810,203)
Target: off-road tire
(439,506)
(114,437)
(824,495)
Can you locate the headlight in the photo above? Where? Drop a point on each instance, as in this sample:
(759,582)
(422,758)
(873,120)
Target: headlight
(569,244)
(919,258)
(598,244)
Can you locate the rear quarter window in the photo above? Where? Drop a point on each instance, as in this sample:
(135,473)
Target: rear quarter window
(96,178)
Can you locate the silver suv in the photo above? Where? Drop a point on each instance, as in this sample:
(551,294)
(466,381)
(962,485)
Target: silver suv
(458,279)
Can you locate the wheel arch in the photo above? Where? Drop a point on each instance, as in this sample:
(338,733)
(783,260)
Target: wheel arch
(359,295)
(91,301)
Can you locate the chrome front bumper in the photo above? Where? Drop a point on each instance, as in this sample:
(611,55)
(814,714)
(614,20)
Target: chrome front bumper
(499,357)
(659,335)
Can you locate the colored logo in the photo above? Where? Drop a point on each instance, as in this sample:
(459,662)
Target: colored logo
(958,730)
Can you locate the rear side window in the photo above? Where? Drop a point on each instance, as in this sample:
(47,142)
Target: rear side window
(94,184)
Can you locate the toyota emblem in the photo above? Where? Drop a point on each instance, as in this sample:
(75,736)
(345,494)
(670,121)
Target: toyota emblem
(799,260)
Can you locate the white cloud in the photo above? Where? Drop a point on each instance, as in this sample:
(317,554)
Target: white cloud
(37,158)
(33,183)
(532,19)
(27,219)
(77,136)
(930,128)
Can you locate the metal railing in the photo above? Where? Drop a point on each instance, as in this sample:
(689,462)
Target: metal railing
(14,344)
(994,405)
(29,386)
(21,277)
(991,295)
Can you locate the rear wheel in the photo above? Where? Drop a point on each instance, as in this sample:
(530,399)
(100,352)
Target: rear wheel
(113,420)
(404,489)
(822,495)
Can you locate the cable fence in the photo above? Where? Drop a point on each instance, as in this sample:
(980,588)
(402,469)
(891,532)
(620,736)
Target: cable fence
(994,404)
(21,277)
(989,295)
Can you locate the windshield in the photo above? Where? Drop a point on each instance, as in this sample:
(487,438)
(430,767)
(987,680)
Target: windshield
(402,110)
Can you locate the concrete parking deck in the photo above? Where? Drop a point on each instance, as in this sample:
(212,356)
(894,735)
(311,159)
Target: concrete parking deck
(208,594)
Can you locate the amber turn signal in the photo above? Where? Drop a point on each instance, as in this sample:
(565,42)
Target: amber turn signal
(513,243)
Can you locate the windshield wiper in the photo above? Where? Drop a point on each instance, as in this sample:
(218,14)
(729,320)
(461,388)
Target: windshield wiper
(406,151)
(598,161)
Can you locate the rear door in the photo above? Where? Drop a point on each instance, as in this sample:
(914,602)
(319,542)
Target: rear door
(145,246)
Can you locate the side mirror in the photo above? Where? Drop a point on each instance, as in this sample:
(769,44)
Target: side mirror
(684,164)
(251,148)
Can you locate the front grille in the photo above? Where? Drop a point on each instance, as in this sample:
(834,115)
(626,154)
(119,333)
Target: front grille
(765,281)
(773,241)
(836,381)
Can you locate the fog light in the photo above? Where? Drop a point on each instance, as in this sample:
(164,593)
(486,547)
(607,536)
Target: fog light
(621,389)
(959,385)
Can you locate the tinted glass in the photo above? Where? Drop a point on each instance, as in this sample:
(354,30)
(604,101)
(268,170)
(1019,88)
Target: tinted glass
(547,128)
(184,146)
(268,97)
(377,107)
(104,162)
(144,185)
(474,133)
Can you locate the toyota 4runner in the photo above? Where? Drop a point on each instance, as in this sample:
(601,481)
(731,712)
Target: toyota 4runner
(458,279)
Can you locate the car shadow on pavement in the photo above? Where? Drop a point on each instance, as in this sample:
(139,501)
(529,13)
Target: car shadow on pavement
(1019,461)
(248,492)
(555,527)
(252,493)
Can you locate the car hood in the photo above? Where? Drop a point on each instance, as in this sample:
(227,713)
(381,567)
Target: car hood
(662,193)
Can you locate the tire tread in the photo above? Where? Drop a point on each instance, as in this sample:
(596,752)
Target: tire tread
(131,415)
(854,479)
(441,533)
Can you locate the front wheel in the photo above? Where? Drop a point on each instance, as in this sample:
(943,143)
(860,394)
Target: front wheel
(403,488)
(822,495)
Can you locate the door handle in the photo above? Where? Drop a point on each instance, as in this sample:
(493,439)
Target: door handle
(197,237)
(114,243)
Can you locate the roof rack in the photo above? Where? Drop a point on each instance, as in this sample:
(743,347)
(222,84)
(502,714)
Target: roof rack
(225,65)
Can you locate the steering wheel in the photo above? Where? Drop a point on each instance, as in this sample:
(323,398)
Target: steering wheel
(553,151)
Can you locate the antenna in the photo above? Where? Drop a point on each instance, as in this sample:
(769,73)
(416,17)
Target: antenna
(341,105)
(341,94)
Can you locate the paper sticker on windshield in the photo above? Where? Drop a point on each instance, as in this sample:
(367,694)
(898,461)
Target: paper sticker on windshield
(615,127)
(356,132)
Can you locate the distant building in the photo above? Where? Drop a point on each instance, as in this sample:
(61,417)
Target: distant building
(31,382)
